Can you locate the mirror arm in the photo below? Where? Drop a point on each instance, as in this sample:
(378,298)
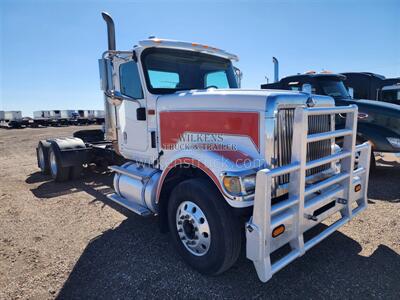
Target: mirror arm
(110,94)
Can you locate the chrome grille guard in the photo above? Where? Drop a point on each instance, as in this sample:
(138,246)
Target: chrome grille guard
(307,205)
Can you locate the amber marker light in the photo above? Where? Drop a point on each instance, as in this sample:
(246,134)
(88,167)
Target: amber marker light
(278,231)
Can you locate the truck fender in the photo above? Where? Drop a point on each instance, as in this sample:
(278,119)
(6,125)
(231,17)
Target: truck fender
(376,135)
(70,151)
(211,165)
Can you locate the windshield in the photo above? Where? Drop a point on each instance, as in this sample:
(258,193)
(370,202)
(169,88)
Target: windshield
(392,96)
(170,70)
(334,88)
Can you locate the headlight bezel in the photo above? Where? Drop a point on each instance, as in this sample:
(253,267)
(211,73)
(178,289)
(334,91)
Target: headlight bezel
(246,180)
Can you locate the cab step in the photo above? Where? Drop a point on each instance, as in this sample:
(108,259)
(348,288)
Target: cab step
(138,209)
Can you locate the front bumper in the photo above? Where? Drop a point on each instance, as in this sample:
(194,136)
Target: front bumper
(307,204)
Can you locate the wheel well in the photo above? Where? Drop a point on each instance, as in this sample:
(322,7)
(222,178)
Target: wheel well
(174,177)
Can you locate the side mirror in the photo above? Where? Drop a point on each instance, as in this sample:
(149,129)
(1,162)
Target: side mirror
(351,92)
(306,88)
(238,75)
(116,98)
(105,70)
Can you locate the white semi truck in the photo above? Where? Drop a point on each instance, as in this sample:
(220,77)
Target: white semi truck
(211,160)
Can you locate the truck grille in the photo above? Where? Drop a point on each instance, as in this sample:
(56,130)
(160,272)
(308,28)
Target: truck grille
(283,141)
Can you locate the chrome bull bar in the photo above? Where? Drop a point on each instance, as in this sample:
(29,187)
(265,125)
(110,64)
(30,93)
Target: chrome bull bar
(307,204)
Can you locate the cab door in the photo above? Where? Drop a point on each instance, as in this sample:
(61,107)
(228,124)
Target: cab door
(132,124)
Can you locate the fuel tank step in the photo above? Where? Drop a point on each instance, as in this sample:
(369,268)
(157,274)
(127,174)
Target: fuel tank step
(136,208)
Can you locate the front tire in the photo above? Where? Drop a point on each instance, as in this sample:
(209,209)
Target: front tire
(203,227)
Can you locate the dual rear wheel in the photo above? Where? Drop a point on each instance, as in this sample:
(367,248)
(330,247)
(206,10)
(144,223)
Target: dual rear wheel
(49,163)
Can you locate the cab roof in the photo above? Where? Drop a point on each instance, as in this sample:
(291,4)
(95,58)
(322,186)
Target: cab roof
(164,43)
(317,75)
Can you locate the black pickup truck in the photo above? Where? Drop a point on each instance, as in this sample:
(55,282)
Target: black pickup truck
(378,122)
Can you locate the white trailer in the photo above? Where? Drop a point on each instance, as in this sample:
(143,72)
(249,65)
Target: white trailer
(99,116)
(85,116)
(11,119)
(41,118)
(41,115)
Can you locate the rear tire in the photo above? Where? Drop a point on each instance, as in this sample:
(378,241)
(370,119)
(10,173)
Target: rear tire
(208,237)
(43,157)
(58,173)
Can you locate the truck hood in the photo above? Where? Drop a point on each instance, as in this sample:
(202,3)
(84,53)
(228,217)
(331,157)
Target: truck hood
(378,114)
(236,100)
(373,107)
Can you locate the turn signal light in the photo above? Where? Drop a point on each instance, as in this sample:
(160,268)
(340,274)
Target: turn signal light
(357,188)
(232,184)
(278,231)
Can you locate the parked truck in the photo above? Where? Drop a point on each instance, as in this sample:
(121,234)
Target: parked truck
(367,85)
(378,122)
(10,119)
(211,160)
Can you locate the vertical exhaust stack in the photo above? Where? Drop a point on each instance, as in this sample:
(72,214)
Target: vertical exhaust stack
(110,30)
(110,118)
(276,69)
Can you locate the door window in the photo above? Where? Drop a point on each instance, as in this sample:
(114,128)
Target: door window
(130,80)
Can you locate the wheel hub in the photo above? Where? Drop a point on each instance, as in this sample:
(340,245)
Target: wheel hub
(53,163)
(193,228)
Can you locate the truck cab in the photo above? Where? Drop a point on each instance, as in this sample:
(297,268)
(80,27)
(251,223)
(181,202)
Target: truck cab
(156,69)
(371,86)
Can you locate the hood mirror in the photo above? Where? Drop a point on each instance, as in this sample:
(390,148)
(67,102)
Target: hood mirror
(351,92)
(306,88)
(238,75)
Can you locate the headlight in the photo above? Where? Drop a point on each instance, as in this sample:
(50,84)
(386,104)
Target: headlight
(395,142)
(249,183)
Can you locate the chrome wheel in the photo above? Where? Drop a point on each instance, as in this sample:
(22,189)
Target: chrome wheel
(53,163)
(193,228)
(42,164)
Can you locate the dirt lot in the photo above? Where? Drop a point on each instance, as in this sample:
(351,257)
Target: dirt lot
(68,241)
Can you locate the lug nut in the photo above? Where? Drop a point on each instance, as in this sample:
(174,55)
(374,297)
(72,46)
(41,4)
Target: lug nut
(183,238)
(180,230)
(179,222)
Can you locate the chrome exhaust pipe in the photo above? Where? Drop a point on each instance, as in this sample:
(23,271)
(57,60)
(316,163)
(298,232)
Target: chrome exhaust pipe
(110,30)
(276,69)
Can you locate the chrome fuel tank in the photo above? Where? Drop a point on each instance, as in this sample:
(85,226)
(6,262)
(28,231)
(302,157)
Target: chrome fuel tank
(137,184)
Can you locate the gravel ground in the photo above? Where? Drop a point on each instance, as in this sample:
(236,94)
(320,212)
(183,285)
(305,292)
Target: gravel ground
(68,241)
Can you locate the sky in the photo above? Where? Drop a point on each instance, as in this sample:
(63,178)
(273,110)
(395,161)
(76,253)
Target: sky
(49,49)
